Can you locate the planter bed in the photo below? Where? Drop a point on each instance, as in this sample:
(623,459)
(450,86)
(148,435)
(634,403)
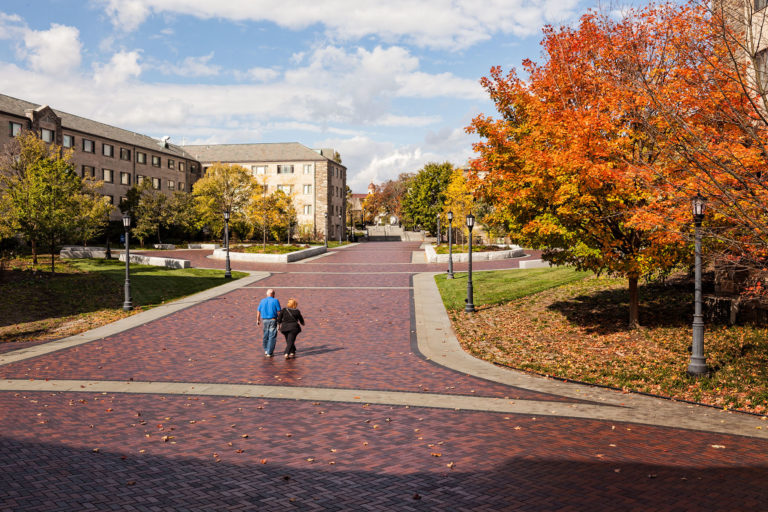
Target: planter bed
(433,257)
(220,254)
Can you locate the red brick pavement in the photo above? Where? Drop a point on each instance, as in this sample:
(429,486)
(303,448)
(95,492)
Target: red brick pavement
(87,451)
(79,451)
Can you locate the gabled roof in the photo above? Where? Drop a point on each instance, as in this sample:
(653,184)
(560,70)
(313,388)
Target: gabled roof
(18,107)
(241,153)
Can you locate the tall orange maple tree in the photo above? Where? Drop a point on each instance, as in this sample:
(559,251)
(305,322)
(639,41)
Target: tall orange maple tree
(577,164)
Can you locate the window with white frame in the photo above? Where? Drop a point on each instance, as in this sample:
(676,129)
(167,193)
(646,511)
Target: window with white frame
(307,209)
(307,189)
(88,146)
(68,141)
(15,129)
(156,183)
(171,185)
(258,169)
(125,178)
(284,169)
(106,175)
(108,150)
(285,188)
(46,135)
(308,168)
(171,164)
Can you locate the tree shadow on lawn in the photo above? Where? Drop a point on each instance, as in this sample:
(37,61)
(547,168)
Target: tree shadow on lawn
(604,312)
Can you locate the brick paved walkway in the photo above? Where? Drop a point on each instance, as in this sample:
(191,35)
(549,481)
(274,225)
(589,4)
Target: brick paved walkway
(181,411)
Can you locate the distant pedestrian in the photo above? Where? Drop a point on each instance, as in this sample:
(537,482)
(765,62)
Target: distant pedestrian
(290,321)
(267,313)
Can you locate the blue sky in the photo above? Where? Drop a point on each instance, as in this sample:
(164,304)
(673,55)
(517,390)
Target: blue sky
(389,84)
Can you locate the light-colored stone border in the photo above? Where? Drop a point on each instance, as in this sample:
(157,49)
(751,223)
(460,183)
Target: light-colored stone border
(220,254)
(157,261)
(461,257)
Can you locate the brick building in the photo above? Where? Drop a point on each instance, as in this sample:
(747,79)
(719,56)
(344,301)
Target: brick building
(120,158)
(314,180)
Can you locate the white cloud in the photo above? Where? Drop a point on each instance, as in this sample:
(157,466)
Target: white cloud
(258,74)
(194,66)
(122,67)
(55,51)
(451,24)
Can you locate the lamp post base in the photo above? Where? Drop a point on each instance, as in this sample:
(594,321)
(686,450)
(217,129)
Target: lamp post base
(449,275)
(697,367)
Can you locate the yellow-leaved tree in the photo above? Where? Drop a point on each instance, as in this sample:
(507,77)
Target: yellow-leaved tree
(459,200)
(225,187)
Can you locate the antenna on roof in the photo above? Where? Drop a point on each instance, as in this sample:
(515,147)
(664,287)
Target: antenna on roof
(165,140)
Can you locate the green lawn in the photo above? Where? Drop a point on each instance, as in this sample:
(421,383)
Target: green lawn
(503,285)
(83,294)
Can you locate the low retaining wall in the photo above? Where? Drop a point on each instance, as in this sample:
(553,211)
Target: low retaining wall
(458,257)
(203,246)
(79,251)
(157,261)
(535,264)
(221,254)
(164,247)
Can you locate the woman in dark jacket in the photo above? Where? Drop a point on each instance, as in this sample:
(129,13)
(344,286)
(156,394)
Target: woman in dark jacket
(288,320)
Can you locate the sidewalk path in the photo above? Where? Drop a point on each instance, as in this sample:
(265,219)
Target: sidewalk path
(177,408)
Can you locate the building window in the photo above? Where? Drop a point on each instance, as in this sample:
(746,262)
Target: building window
(123,199)
(285,189)
(156,183)
(125,178)
(193,168)
(108,150)
(181,186)
(140,179)
(89,171)
(171,164)
(307,189)
(155,161)
(284,169)
(307,168)
(141,157)
(181,166)
(15,129)
(88,146)
(68,141)
(307,209)
(171,185)
(258,169)
(46,135)
(125,154)
(107,175)
(761,63)
(110,199)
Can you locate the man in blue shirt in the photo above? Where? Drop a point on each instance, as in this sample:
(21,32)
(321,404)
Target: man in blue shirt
(267,313)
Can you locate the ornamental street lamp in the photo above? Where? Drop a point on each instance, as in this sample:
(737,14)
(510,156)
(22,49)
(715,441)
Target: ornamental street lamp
(227,271)
(698,365)
(326,230)
(127,304)
(341,228)
(438,229)
(450,246)
(470,306)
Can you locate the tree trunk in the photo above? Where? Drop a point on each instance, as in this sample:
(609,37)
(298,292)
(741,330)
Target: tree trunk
(53,248)
(634,302)
(34,251)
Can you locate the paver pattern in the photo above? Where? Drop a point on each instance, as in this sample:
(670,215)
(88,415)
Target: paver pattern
(115,451)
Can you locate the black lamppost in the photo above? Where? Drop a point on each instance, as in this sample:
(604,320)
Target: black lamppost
(698,364)
(450,246)
(227,271)
(470,306)
(127,304)
(438,229)
(341,228)
(326,230)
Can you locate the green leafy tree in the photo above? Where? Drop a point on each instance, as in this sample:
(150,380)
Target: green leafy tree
(182,212)
(224,187)
(152,213)
(425,195)
(40,192)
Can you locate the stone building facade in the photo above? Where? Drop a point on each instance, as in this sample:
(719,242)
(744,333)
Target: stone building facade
(120,158)
(311,177)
